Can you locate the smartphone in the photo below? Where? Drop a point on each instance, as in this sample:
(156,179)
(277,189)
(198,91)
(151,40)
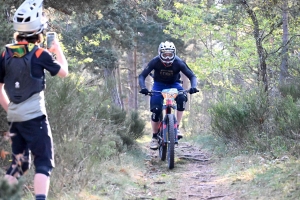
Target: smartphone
(50,36)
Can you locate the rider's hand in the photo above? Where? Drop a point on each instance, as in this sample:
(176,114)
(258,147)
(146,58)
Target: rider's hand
(144,91)
(193,90)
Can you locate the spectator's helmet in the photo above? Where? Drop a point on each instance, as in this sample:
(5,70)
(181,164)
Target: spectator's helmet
(28,19)
(167,52)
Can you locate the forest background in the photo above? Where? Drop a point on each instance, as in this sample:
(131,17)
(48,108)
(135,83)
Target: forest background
(245,54)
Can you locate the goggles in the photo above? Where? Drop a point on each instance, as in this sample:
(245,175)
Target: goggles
(167,55)
(17,50)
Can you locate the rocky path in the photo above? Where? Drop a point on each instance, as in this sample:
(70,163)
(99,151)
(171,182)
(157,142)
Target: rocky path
(192,178)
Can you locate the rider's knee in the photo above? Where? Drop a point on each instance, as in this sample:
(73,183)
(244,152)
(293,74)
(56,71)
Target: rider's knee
(155,117)
(46,170)
(181,100)
(156,112)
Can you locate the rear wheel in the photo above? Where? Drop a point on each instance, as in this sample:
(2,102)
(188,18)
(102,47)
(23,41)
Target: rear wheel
(171,140)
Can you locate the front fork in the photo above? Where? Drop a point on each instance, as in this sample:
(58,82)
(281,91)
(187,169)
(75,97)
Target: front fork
(165,131)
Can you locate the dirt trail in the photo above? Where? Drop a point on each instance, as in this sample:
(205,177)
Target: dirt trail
(191,179)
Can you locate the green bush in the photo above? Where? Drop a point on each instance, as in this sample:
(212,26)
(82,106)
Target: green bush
(9,192)
(230,120)
(133,129)
(287,124)
(292,88)
(258,121)
(233,117)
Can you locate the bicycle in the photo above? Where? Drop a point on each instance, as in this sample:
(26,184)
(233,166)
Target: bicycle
(167,134)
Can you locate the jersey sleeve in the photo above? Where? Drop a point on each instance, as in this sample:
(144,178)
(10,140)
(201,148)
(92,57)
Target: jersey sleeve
(49,63)
(145,73)
(189,73)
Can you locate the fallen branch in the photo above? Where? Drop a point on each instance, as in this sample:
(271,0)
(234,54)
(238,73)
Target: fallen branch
(191,158)
(218,196)
(159,182)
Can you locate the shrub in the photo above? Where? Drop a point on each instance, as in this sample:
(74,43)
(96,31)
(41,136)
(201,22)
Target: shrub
(259,121)
(287,124)
(133,129)
(235,116)
(9,192)
(292,88)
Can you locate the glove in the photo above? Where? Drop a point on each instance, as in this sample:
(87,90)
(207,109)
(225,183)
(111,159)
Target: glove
(193,90)
(144,91)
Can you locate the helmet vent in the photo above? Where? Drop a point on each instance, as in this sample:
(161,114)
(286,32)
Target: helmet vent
(27,19)
(19,19)
(33,6)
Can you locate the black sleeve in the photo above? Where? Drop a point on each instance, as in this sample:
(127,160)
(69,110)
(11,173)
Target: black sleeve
(189,73)
(49,63)
(144,74)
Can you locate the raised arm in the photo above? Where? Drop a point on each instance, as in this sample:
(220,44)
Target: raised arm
(61,59)
(3,97)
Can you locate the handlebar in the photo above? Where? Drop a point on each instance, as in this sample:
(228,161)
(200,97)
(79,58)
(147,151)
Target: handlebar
(155,91)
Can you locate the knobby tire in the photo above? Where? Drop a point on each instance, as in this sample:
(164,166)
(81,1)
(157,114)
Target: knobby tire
(162,148)
(171,140)
(162,145)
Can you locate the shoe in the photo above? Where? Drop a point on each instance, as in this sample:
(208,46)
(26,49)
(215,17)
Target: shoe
(179,134)
(154,144)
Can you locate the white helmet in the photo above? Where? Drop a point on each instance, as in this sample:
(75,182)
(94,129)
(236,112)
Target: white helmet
(167,52)
(28,18)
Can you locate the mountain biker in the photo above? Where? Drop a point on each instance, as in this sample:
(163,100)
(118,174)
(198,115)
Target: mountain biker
(167,67)
(22,84)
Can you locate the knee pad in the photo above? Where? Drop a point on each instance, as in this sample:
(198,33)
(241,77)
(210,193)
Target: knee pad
(181,100)
(156,112)
(46,170)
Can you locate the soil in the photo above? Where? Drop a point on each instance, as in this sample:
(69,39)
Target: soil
(192,178)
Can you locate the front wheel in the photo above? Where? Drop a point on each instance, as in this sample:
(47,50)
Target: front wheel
(162,146)
(171,140)
(163,151)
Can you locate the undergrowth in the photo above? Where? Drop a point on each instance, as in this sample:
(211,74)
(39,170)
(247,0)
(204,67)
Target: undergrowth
(258,121)
(87,132)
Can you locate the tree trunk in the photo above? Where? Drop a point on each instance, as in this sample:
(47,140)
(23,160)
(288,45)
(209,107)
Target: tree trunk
(130,79)
(262,68)
(112,87)
(135,81)
(284,62)
(148,80)
(120,86)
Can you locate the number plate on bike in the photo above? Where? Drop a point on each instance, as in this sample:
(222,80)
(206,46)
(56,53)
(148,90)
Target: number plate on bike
(170,93)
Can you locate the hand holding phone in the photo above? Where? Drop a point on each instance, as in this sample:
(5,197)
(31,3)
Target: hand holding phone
(50,36)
